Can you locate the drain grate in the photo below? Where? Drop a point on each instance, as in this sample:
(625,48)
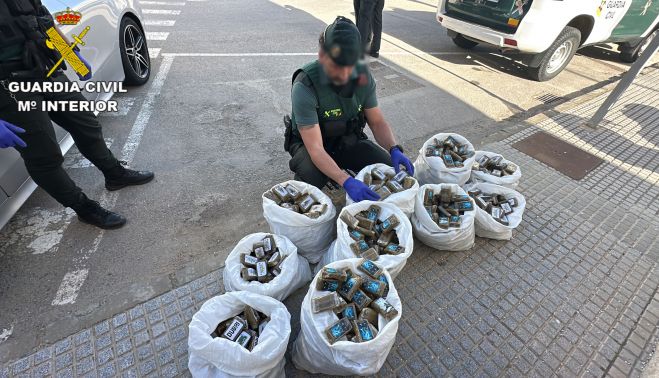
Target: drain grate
(563,157)
(548,98)
(391,82)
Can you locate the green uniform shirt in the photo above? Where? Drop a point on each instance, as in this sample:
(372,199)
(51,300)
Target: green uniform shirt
(304,100)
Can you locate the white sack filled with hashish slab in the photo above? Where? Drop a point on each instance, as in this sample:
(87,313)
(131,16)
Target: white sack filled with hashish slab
(316,353)
(447,237)
(493,168)
(486,225)
(311,236)
(403,199)
(437,168)
(285,269)
(220,357)
(394,263)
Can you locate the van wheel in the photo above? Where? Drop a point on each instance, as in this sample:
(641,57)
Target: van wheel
(134,52)
(463,42)
(557,56)
(629,54)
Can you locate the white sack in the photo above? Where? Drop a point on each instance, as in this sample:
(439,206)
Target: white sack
(340,249)
(295,271)
(431,170)
(451,239)
(219,357)
(313,352)
(403,200)
(507,181)
(486,226)
(310,236)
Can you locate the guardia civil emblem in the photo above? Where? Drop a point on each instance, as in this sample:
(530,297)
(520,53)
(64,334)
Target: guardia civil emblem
(68,17)
(335,51)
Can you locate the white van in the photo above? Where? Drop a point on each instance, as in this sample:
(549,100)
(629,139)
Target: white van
(551,31)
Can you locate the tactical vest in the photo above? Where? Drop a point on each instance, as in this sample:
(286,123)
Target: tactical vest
(341,119)
(25,22)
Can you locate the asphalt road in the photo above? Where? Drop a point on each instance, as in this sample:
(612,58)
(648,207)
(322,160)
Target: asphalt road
(209,124)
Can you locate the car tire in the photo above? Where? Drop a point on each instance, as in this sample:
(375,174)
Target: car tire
(134,52)
(463,42)
(551,62)
(629,54)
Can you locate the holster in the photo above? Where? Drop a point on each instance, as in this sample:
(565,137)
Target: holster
(288,132)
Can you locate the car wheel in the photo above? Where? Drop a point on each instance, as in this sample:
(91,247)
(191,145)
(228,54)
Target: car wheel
(463,42)
(134,52)
(557,56)
(629,54)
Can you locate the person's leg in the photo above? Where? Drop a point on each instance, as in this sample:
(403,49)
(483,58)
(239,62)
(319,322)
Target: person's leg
(365,21)
(377,27)
(361,154)
(84,128)
(355,5)
(43,159)
(42,156)
(304,168)
(88,136)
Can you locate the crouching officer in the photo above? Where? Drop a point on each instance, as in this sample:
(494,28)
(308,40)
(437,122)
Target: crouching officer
(333,98)
(24,56)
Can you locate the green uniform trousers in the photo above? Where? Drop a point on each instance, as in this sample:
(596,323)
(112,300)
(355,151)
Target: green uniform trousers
(355,157)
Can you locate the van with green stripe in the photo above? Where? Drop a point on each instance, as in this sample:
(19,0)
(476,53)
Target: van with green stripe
(549,32)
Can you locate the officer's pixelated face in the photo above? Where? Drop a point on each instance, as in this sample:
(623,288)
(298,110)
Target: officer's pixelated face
(339,75)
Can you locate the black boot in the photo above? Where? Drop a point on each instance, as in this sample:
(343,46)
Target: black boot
(91,212)
(121,177)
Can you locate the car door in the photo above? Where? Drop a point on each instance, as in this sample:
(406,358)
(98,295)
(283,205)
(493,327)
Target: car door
(12,171)
(101,41)
(642,14)
(502,15)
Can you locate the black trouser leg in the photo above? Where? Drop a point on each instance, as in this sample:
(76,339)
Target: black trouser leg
(355,5)
(361,154)
(42,156)
(377,26)
(84,128)
(365,21)
(304,168)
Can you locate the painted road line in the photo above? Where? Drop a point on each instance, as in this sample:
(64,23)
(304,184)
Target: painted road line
(154,52)
(149,22)
(157,36)
(68,289)
(166,3)
(73,280)
(124,104)
(135,136)
(174,12)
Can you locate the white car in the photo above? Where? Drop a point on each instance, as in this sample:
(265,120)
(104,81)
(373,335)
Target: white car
(549,32)
(115,47)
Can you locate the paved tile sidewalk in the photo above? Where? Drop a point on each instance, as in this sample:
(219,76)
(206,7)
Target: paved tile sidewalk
(574,293)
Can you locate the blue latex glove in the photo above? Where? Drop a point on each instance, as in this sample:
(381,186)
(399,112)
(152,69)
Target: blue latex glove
(359,191)
(398,158)
(89,66)
(8,137)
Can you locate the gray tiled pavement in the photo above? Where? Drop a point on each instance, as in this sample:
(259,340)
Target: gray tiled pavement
(574,293)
